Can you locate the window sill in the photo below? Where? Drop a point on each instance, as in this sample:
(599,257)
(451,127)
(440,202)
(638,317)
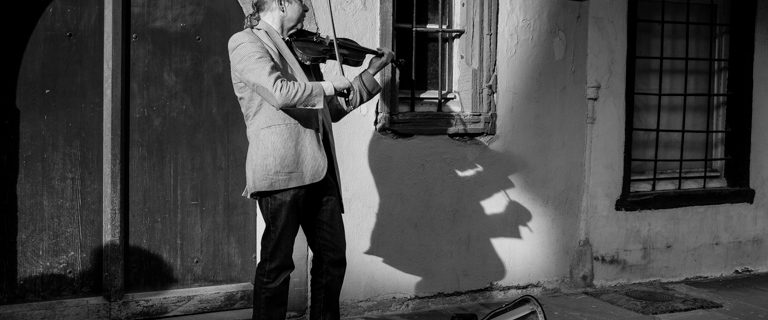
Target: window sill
(683,198)
(440,123)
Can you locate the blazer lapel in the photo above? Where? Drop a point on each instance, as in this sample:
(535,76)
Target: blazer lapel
(273,40)
(278,43)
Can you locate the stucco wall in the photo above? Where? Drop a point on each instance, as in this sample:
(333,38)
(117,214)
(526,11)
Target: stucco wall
(430,214)
(674,243)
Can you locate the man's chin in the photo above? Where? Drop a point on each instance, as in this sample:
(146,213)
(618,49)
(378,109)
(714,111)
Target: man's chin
(296,28)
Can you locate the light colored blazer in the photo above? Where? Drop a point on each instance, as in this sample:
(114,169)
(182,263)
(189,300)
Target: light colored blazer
(285,113)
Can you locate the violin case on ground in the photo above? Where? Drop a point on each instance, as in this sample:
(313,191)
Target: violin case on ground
(523,308)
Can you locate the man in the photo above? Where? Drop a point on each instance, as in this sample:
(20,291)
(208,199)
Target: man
(291,168)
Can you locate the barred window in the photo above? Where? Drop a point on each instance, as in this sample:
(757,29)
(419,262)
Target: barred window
(689,94)
(447,81)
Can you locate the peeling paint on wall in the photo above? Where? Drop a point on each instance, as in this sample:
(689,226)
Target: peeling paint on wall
(610,259)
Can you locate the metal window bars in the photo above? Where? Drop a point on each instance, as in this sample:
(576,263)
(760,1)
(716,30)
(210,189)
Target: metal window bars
(441,29)
(652,145)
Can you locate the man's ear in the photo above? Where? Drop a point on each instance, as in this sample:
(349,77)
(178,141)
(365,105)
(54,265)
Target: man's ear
(281,4)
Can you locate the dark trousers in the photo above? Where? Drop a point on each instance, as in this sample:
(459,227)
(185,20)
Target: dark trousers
(317,210)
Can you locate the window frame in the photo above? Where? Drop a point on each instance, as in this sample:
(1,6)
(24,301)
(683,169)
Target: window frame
(482,118)
(738,121)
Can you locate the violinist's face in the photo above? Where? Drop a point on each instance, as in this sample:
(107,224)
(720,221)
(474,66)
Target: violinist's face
(295,11)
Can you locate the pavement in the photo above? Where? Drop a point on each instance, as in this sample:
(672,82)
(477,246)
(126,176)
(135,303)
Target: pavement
(741,296)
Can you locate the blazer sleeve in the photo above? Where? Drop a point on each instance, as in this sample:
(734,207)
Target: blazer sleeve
(252,64)
(364,88)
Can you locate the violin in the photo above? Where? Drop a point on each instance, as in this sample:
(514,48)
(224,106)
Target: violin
(314,48)
(311,48)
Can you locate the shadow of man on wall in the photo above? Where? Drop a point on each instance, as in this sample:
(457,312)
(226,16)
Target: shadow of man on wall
(440,203)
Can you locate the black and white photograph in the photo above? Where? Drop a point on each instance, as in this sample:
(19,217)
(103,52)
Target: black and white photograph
(384,160)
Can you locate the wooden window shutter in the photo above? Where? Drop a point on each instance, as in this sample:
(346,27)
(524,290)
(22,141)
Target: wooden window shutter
(484,82)
(479,50)
(478,47)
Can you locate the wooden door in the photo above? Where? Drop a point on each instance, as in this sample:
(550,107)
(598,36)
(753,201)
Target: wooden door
(50,224)
(179,238)
(187,151)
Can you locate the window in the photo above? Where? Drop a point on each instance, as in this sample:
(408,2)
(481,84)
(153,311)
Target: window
(446,84)
(689,91)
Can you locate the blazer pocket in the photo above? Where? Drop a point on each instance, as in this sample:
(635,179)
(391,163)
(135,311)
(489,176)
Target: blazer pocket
(272,126)
(291,148)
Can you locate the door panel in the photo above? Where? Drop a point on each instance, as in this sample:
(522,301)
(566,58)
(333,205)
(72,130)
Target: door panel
(187,150)
(51,215)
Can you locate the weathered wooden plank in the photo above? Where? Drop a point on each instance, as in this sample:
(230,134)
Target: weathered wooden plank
(187,147)
(112,191)
(490,28)
(388,76)
(433,123)
(183,301)
(477,44)
(59,152)
(471,38)
(82,308)
(137,305)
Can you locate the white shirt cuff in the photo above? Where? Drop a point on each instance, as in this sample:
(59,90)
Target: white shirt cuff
(328,88)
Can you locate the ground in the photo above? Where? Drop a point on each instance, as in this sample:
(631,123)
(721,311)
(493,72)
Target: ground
(741,297)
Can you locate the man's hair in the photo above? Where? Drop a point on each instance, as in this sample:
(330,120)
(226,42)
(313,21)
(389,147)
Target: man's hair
(258,6)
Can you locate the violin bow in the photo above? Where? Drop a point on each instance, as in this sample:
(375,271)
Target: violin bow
(338,54)
(335,43)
